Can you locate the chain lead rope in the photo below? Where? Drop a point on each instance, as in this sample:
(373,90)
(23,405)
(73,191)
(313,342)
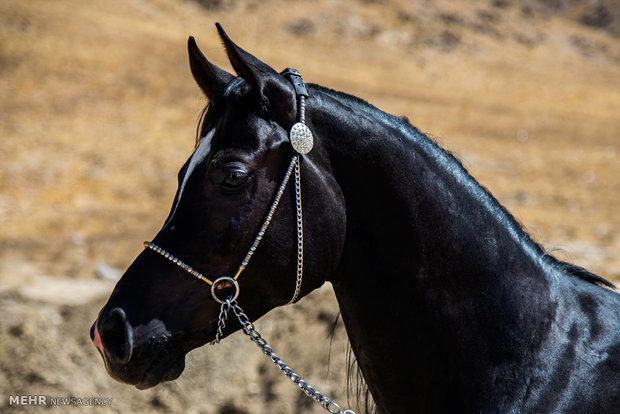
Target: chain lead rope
(249,329)
(247,326)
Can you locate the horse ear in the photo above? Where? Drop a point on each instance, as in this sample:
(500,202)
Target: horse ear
(211,79)
(275,92)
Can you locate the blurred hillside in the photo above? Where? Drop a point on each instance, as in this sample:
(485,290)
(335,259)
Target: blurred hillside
(98,111)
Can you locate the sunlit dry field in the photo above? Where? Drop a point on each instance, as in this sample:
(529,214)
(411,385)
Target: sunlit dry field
(98,111)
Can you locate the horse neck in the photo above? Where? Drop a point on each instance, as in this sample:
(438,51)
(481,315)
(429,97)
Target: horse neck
(428,253)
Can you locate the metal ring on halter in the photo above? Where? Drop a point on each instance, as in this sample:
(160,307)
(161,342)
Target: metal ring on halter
(230,283)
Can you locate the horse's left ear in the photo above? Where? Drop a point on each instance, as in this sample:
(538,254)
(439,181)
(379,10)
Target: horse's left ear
(211,79)
(276,94)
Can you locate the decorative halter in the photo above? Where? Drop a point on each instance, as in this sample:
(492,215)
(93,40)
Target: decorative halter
(225,289)
(302,141)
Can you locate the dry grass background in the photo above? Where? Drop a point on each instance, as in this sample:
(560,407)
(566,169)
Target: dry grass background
(98,111)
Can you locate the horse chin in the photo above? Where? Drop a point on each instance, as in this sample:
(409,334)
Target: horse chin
(167,365)
(162,370)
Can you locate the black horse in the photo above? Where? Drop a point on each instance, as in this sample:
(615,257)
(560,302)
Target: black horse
(448,304)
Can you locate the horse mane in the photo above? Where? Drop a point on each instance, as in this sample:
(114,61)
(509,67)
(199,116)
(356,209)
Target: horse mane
(431,146)
(356,384)
(581,273)
(357,389)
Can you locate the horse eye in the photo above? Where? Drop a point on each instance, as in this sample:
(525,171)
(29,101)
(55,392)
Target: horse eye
(234,179)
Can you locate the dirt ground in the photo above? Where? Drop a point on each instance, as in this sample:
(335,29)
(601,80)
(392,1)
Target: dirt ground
(98,112)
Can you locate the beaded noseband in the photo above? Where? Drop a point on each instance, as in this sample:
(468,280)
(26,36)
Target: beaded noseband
(225,289)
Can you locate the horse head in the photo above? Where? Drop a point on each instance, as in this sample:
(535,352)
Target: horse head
(158,312)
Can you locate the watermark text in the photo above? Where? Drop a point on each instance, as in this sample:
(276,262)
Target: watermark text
(46,400)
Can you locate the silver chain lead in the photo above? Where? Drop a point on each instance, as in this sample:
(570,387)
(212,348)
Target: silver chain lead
(250,330)
(221,322)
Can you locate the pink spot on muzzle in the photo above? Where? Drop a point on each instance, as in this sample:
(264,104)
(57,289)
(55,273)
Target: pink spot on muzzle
(97,338)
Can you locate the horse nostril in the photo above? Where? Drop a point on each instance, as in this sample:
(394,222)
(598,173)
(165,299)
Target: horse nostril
(116,336)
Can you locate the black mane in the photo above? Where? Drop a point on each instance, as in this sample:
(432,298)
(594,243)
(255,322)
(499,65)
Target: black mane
(402,123)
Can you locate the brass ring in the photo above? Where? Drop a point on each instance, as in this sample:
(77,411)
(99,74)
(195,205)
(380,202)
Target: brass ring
(225,279)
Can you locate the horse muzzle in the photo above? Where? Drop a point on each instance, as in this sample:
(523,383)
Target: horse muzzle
(143,356)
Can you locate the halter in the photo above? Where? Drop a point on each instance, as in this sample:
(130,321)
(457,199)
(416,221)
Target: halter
(224,283)
(225,289)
